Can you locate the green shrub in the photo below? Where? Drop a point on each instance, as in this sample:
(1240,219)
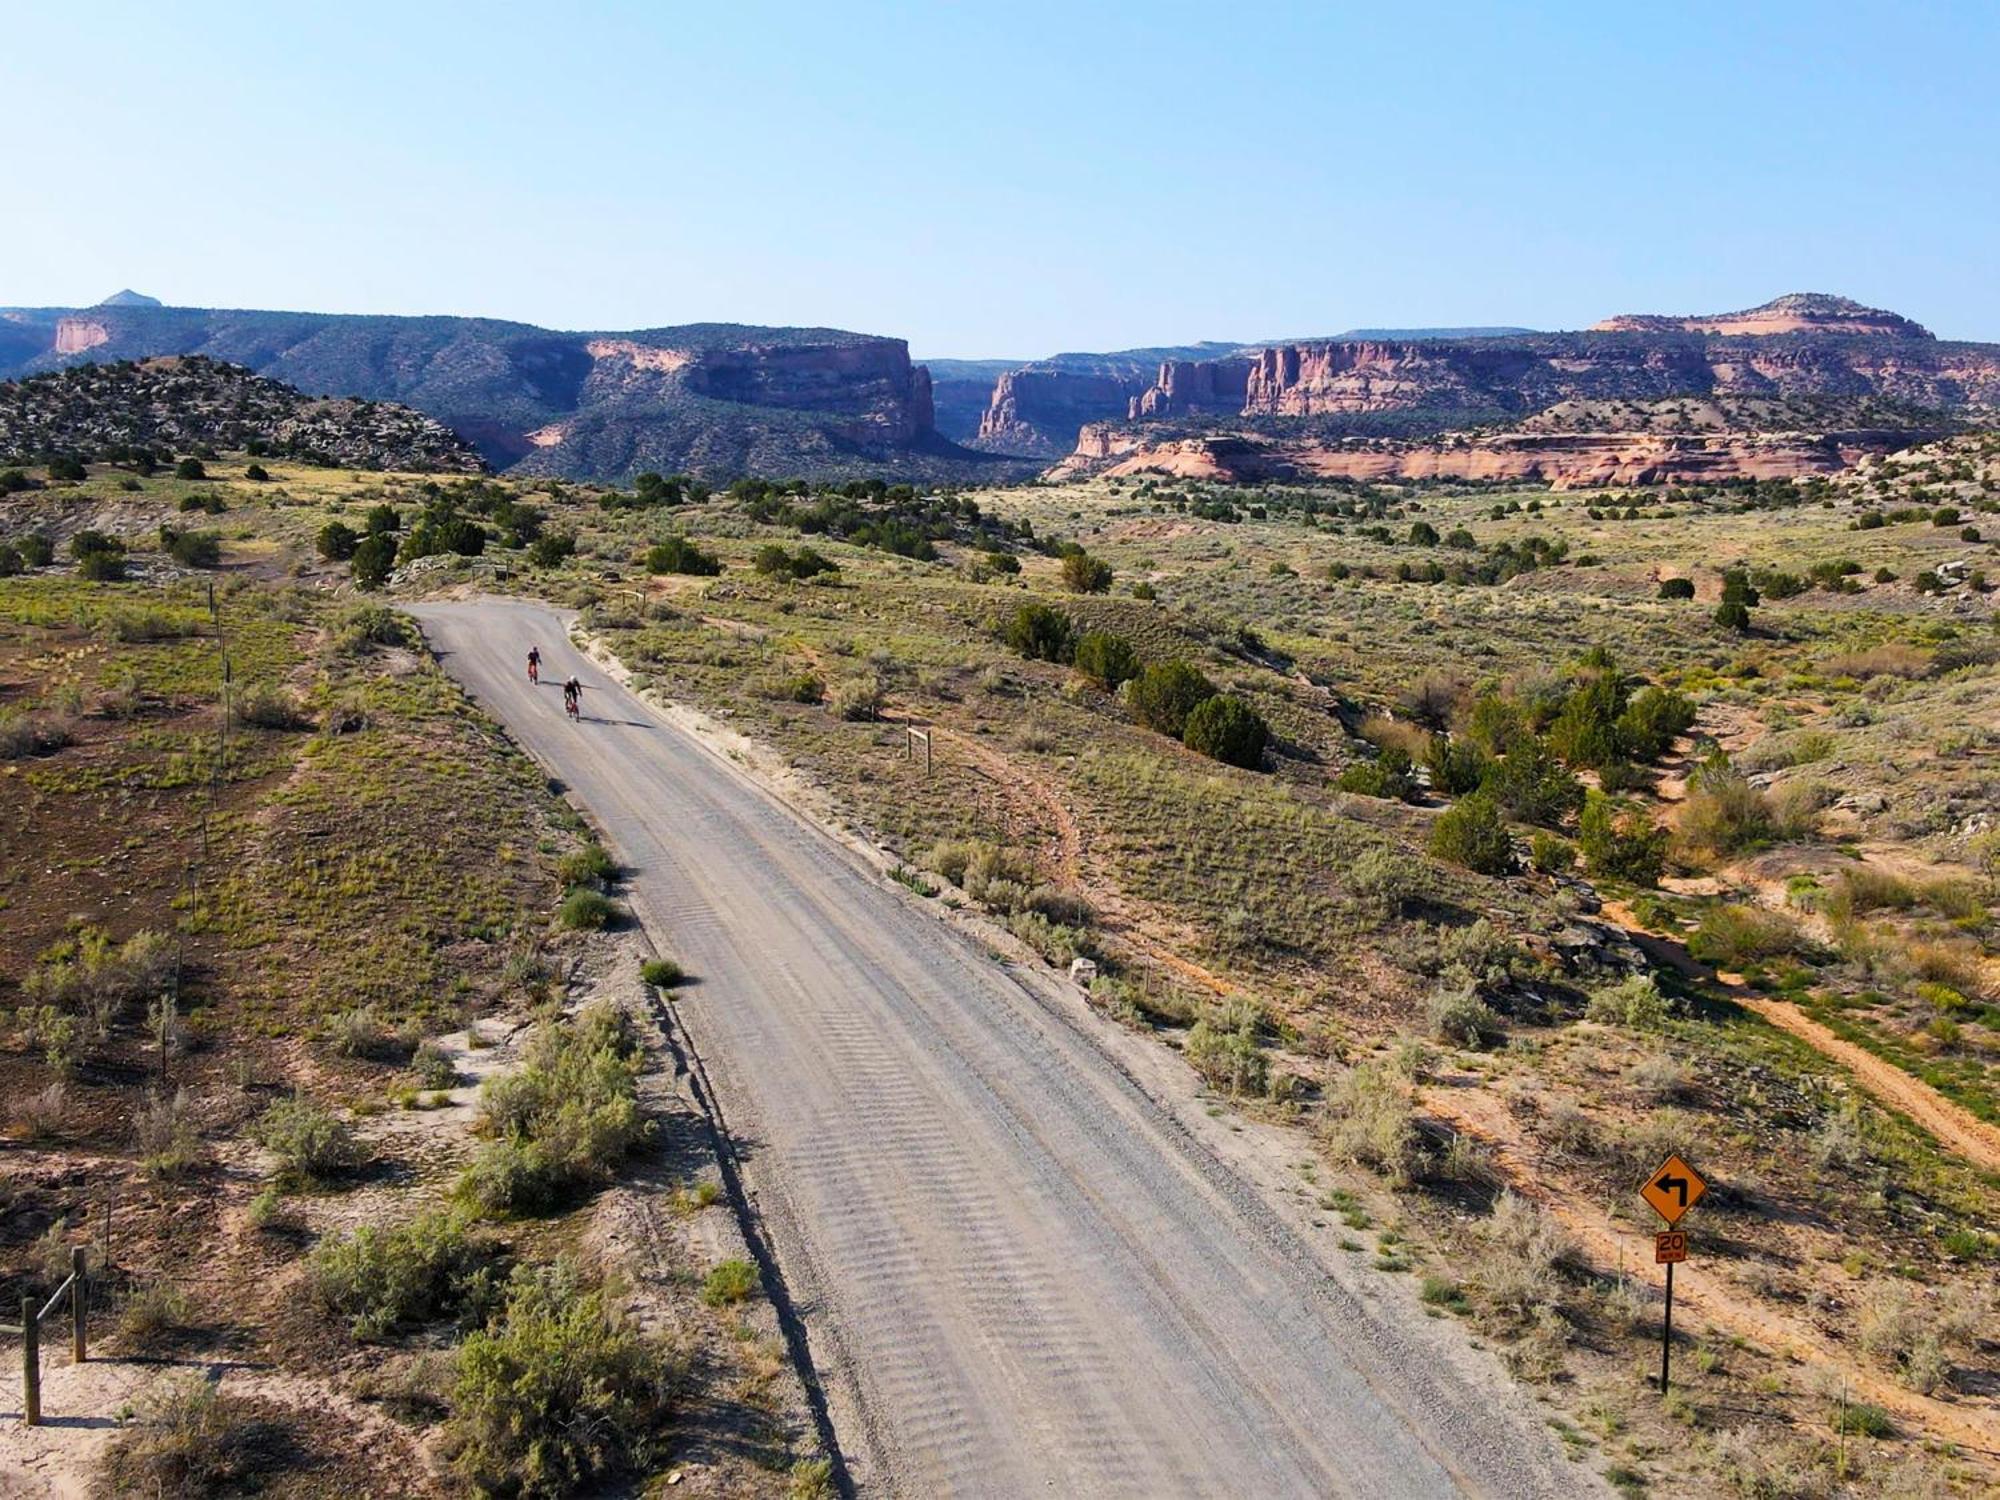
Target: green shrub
(192,549)
(552,549)
(37,551)
(1472,833)
(679,555)
(1652,721)
(1368,1121)
(1166,693)
(101,567)
(590,866)
(433,1066)
(311,1144)
(190,468)
(662,973)
(366,625)
(336,543)
(1722,812)
(1388,775)
(1531,784)
(1676,588)
(385,1278)
(1620,844)
(374,560)
(1551,854)
(1084,574)
(1227,729)
(774,561)
(586,910)
(1040,633)
(729,1283)
(1106,659)
(265,707)
(1634,1001)
(1456,766)
(561,1393)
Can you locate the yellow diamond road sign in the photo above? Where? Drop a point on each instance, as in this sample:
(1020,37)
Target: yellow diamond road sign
(1674,1189)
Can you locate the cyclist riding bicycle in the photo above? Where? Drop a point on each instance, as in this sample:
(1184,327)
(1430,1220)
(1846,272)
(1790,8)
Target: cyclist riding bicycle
(534,664)
(573,698)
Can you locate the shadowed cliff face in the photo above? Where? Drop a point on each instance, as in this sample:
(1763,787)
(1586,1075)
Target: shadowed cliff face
(708,398)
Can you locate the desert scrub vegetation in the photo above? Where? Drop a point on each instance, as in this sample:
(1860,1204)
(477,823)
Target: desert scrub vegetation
(384,1278)
(91,975)
(560,1393)
(563,1119)
(312,1145)
(1222,1046)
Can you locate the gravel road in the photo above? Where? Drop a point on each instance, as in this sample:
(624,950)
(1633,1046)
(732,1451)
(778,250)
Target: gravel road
(1018,1274)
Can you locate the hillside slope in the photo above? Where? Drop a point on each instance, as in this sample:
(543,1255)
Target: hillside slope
(173,406)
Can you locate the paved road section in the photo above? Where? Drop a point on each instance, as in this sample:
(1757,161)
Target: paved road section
(1018,1275)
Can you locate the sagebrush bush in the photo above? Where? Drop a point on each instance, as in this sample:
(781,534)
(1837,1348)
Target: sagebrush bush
(590,865)
(310,1143)
(89,975)
(1634,1001)
(561,1393)
(1368,1120)
(169,1144)
(1223,1050)
(382,1278)
(1458,1015)
(1733,936)
(662,973)
(562,1119)
(26,734)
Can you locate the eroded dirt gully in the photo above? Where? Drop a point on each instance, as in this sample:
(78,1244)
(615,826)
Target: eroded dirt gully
(1025,1259)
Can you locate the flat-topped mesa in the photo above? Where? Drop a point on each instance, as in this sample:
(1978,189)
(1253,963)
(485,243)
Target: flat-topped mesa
(1795,312)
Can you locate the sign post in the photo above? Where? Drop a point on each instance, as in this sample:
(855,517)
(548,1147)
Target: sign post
(1671,1191)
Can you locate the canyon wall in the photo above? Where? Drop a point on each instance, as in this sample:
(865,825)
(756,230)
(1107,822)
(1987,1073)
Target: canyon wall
(1560,460)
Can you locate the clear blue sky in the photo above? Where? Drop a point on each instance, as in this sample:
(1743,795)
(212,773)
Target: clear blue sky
(1005,179)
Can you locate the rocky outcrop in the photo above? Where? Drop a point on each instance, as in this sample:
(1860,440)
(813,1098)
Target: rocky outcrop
(75,335)
(1559,460)
(1193,387)
(1037,412)
(1795,312)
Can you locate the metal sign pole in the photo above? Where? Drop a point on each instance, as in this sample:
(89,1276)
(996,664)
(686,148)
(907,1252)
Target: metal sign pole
(1667,1330)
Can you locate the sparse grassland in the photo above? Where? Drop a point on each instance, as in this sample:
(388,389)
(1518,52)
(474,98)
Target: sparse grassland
(330,890)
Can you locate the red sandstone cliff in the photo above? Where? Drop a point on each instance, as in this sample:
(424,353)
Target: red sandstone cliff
(1561,460)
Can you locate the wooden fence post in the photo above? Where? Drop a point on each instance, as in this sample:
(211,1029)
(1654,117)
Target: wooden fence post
(77,1347)
(31,1365)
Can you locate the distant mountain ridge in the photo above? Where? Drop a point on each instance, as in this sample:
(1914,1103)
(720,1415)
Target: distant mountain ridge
(716,399)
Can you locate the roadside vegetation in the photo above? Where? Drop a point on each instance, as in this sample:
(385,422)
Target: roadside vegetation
(286,990)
